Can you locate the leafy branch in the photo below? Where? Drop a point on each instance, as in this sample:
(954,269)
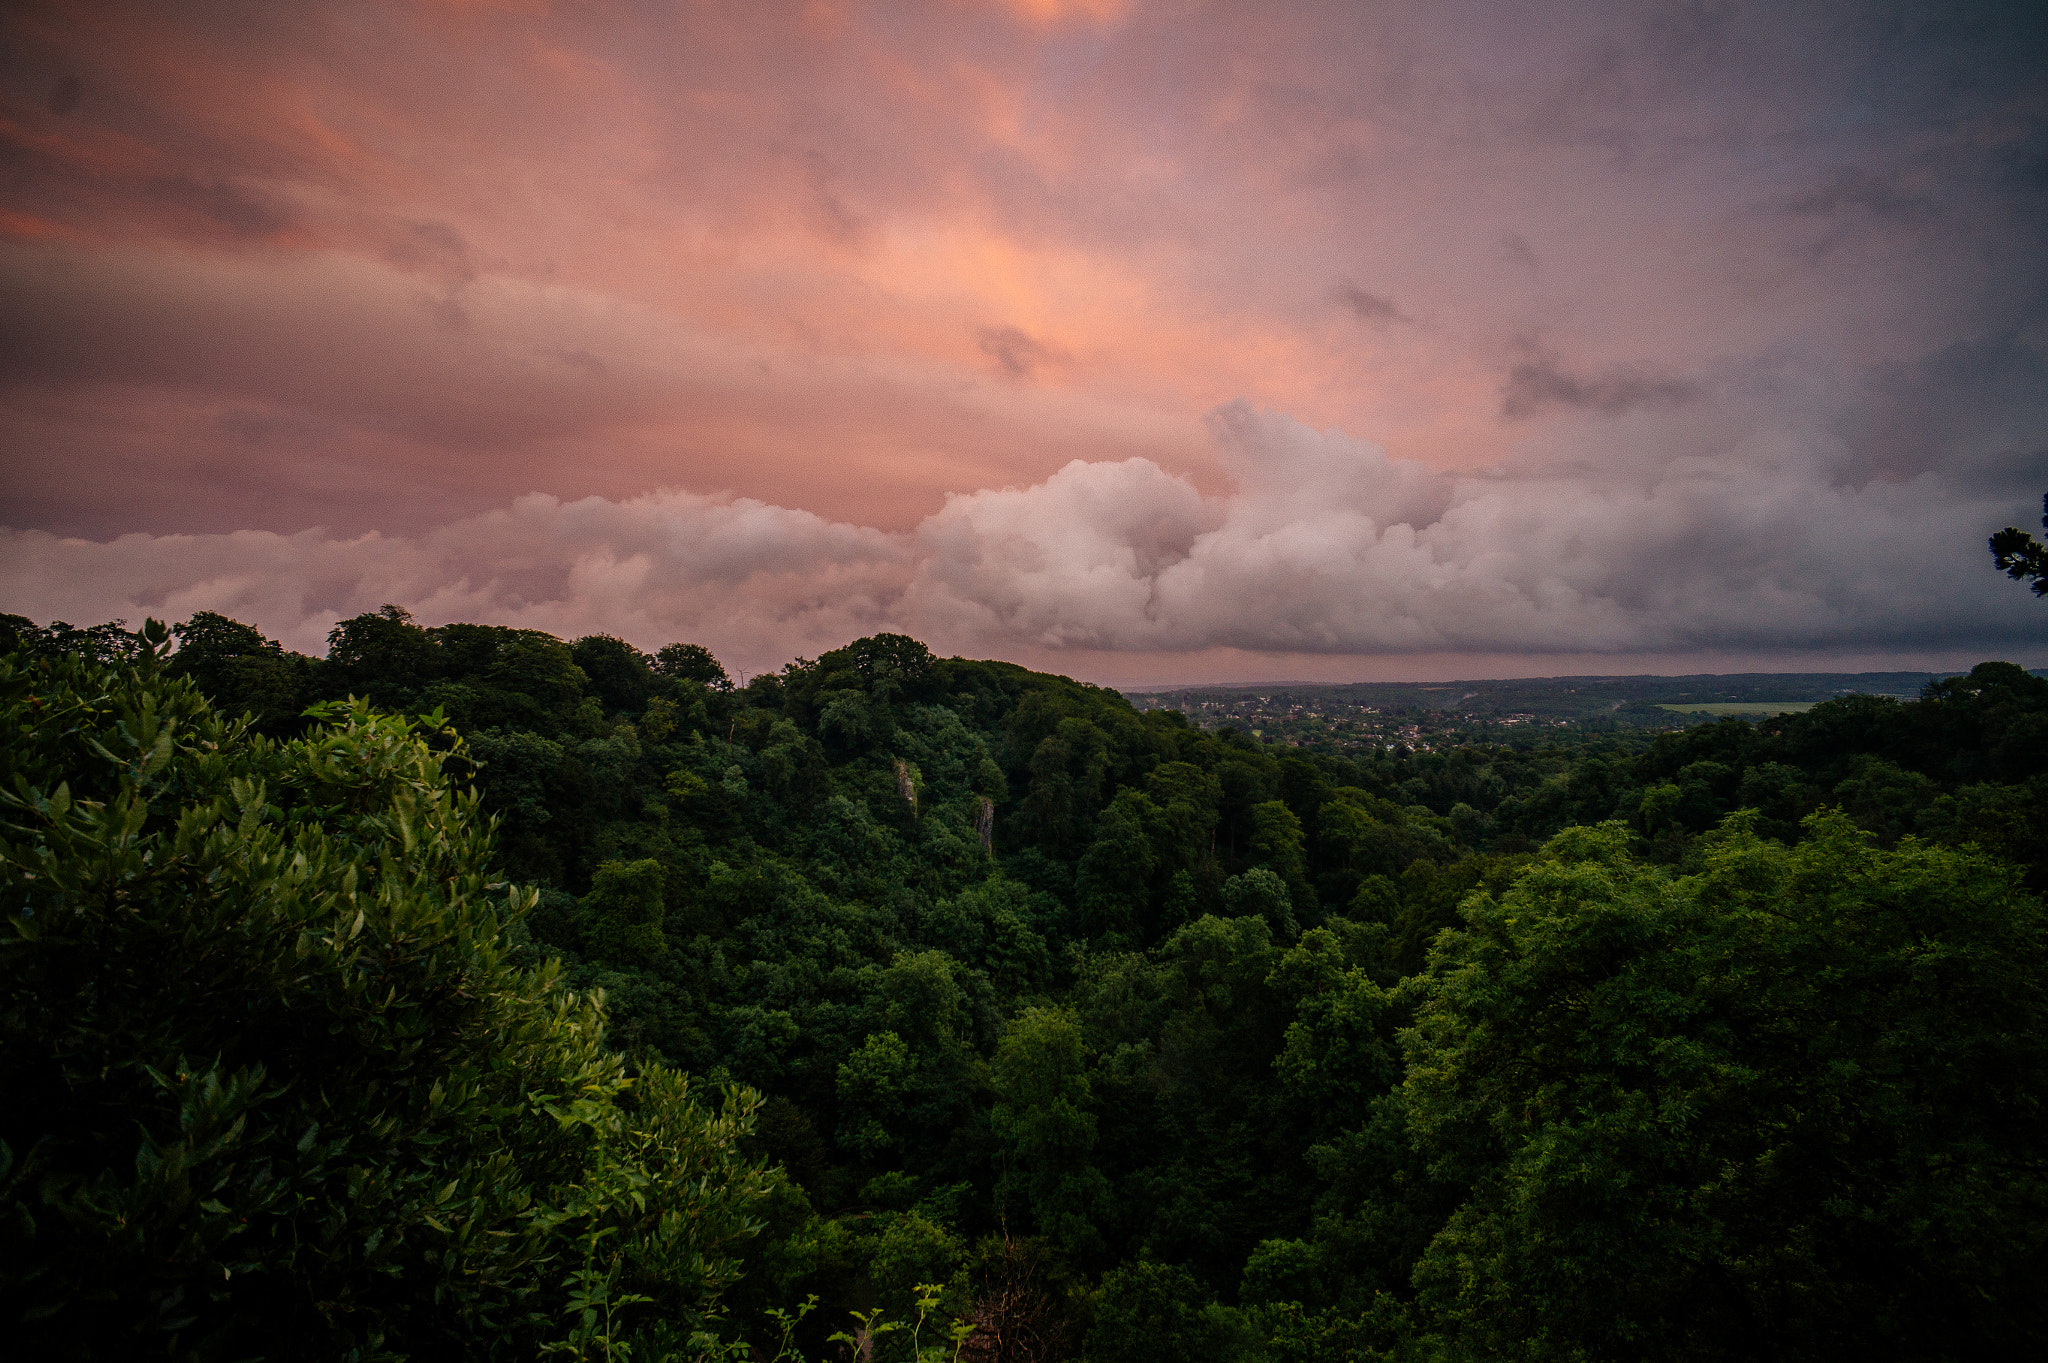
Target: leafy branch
(2020,556)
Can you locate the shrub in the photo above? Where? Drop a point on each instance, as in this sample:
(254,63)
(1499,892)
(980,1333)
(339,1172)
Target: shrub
(275,1084)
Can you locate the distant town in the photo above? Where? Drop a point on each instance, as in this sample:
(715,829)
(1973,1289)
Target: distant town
(1522,712)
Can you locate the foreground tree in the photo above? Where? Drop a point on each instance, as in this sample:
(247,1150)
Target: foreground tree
(1788,1107)
(2020,556)
(275,1083)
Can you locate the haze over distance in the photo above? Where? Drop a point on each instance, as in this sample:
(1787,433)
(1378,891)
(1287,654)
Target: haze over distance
(1157,344)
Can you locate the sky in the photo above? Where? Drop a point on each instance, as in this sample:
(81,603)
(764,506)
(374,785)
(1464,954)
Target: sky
(1147,341)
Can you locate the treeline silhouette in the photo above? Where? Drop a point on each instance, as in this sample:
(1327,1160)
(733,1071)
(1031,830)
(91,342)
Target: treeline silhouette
(1113,1038)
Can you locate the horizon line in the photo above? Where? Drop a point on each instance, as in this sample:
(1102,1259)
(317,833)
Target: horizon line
(1938,674)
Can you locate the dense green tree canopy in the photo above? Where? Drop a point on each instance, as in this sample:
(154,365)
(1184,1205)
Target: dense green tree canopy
(276,1081)
(1133,1039)
(1790,1104)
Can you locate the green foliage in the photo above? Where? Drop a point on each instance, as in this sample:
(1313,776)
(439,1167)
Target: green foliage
(1161,1311)
(622,914)
(1276,841)
(691,663)
(108,643)
(242,672)
(1116,875)
(2020,556)
(1119,1003)
(385,649)
(621,676)
(919,1262)
(1259,893)
(1791,1102)
(873,1085)
(276,1082)
(1043,1117)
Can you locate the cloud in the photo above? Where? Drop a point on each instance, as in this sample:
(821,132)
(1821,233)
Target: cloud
(270,267)
(753,580)
(1062,11)
(1017,354)
(1515,248)
(404,226)
(398,396)
(218,203)
(1323,545)
(1856,187)
(1072,562)
(1327,545)
(1370,307)
(1539,381)
(64,95)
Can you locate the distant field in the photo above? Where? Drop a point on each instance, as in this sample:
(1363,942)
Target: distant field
(1744,707)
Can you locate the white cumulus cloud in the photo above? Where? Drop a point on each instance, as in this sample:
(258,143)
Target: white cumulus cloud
(1328,546)
(1322,545)
(757,580)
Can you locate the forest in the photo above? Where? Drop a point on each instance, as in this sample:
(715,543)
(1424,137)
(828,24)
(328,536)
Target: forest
(469,993)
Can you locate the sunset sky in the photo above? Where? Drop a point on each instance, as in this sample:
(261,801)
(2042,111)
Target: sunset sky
(1146,342)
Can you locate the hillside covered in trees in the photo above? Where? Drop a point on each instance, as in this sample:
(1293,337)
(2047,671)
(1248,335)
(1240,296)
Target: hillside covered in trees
(1109,1037)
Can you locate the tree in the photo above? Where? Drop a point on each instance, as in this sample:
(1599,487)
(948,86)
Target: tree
(107,643)
(1276,841)
(1124,988)
(383,654)
(622,913)
(2020,556)
(240,671)
(691,662)
(894,665)
(1259,893)
(1115,875)
(1042,1117)
(209,638)
(1786,1107)
(619,673)
(1163,1314)
(275,1083)
(872,1086)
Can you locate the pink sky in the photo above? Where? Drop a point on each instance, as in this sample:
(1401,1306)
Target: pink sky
(1150,342)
